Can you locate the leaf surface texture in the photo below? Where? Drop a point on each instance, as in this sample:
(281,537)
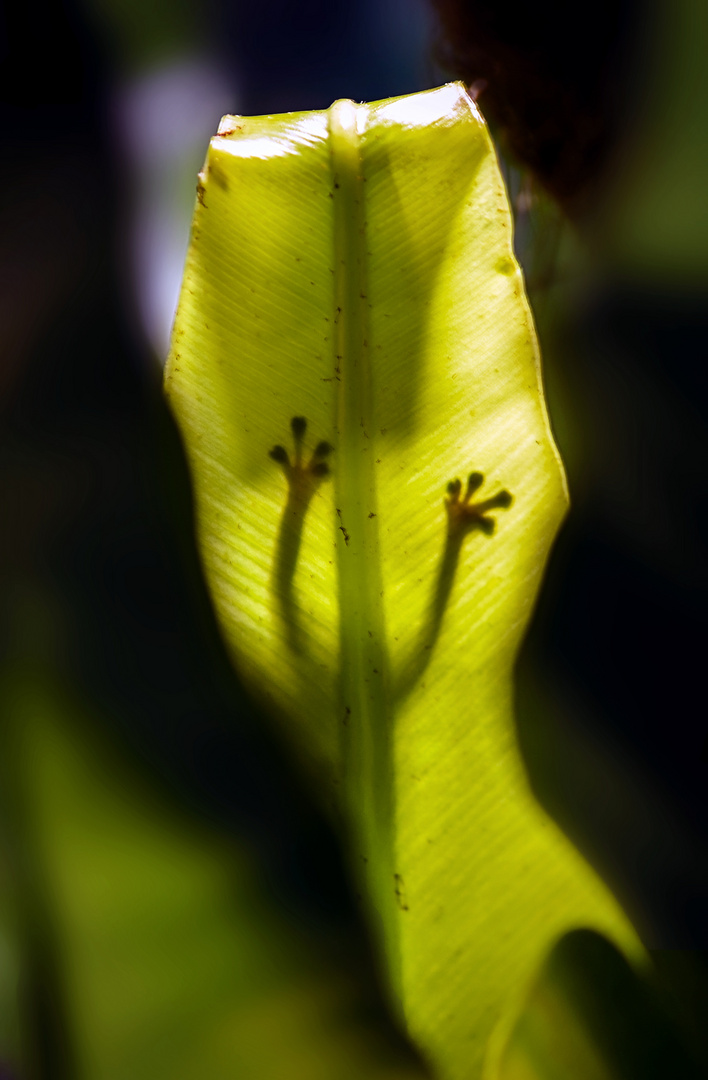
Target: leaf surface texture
(354,269)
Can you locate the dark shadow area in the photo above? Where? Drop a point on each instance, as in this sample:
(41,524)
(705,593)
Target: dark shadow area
(622,624)
(587,993)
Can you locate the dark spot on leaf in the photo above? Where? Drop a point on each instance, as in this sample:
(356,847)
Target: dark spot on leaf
(398,889)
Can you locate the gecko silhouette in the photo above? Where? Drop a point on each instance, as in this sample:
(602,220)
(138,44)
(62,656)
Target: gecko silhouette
(464,515)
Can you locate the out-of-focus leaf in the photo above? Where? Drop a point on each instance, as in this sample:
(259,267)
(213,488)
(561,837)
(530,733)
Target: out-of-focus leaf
(352,338)
(174,959)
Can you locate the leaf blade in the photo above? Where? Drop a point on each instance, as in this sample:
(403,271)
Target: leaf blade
(434,374)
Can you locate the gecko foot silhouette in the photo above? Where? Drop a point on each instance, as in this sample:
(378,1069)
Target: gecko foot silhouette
(303,477)
(463,517)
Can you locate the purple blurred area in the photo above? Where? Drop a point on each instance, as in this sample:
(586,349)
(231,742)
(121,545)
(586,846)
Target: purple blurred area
(257,59)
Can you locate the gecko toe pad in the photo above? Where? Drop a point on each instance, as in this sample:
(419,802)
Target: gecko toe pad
(463,514)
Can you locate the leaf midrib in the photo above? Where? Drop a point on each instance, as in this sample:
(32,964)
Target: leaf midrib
(364,666)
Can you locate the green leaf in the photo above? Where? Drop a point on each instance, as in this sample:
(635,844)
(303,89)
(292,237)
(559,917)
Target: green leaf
(175,959)
(351,282)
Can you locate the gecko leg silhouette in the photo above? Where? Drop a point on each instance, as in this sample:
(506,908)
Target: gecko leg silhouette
(463,517)
(303,477)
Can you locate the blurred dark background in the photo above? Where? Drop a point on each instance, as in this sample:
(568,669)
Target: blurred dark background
(601,116)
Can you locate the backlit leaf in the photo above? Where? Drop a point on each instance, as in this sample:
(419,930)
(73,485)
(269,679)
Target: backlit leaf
(355,372)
